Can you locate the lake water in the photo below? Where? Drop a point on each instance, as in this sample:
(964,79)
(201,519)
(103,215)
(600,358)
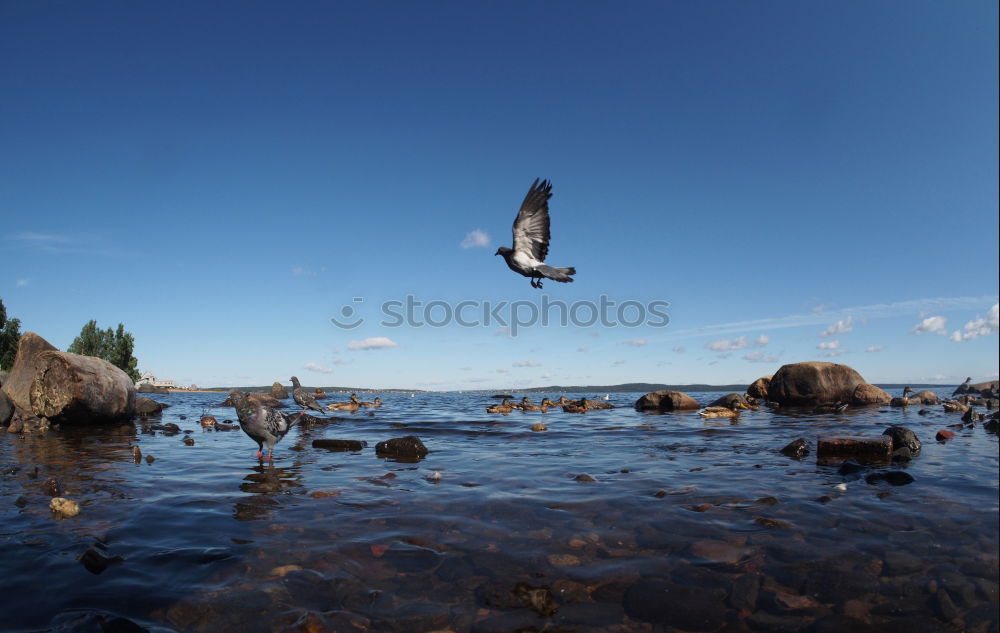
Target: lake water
(610,521)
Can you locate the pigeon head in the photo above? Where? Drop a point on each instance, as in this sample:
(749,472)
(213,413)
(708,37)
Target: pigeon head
(503,250)
(295,381)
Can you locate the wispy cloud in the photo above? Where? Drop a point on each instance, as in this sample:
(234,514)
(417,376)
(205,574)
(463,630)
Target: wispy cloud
(759,357)
(636,342)
(831,348)
(823,307)
(21,283)
(679,349)
(583,348)
(501,331)
(761,340)
(503,370)
(829,345)
(377,342)
(980,326)
(526,363)
(303,271)
(875,348)
(840,327)
(726,345)
(931,325)
(619,362)
(318,368)
(874,311)
(475,239)
(58,243)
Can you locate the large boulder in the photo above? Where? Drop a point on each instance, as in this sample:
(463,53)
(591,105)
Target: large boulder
(18,383)
(279,392)
(758,388)
(985,388)
(6,409)
(925,397)
(666,400)
(728,400)
(815,382)
(148,388)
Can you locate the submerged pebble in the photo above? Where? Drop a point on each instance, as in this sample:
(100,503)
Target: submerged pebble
(64,507)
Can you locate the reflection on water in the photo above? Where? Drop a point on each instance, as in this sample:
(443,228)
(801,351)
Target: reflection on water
(609,521)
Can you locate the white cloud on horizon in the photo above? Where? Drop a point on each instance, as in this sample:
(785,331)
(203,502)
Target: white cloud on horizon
(377,342)
(931,325)
(318,368)
(842,326)
(476,239)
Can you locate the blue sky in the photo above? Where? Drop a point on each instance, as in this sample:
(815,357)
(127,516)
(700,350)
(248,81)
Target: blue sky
(800,181)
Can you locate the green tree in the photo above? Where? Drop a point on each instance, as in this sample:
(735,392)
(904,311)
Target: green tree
(114,347)
(10,336)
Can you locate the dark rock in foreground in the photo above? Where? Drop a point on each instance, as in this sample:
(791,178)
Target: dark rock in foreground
(6,409)
(675,605)
(864,450)
(666,400)
(903,439)
(893,477)
(814,382)
(409,447)
(796,449)
(340,445)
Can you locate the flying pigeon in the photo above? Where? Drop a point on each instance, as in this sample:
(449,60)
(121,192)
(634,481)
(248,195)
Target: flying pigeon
(263,424)
(303,398)
(531,239)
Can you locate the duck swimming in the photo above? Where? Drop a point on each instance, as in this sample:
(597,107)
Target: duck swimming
(376,403)
(527,406)
(574,407)
(831,407)
(902,401)
(504,407)
(351,405)
(732,411)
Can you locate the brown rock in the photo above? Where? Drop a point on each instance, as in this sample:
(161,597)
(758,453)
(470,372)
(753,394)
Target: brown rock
(279,392)
(864,450)
(17,386)
(815,382)
(944,435)
(666,400)
(74,389)
(758,388)
(869,394)
(925,397)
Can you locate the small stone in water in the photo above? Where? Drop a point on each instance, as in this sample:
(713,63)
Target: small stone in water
(944,435)
(840,487)
(21,502)
(796,449)
(136,454)
(52,487)
(150,459)
(189,441)
(584,477)
(64,507)
(538,426)
(280,572)
(893,477)
(208,420)
(563,560)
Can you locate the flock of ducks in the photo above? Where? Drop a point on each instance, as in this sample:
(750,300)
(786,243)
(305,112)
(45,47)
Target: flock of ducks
(569,406)
(353,404)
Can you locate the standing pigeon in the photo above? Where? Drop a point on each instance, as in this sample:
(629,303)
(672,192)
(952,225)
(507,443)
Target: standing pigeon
(263,424)
(305,399)
(531,239)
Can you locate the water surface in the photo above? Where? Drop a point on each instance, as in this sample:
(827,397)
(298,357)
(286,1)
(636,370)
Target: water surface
(610,521)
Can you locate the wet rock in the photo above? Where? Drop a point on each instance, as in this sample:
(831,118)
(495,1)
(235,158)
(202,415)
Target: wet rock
(719,551)
(150,459)
(864,450)
(21,501)
(850,467)
(972,416)
(892,477)
(167,429)
(411,559)
(226,426)
(148,408)
(663,602)
(943,605)
(666,400)
(925,397)
(538,427)
(208,421)
(17,385)
(903,437)
(136,454)
(764,621)
(279,391)
(96,561)
(902,563)
(758,388)
(189,441)
(64,507)
(52,487)
(524,620)
(923,412)
(563,560)
(538,599)
(6,409)
(306,419)
(796,449)
(409,447)
(841,623)
(584,478)
(944,435)
(76,621)
(814,382)
(586,615)
(728,400)
(992,425)
(744,592)
(339,445)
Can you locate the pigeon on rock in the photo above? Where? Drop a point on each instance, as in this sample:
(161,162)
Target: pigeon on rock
(263,424)
(305,399)
(531,239)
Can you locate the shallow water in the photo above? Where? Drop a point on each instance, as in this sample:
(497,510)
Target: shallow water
(610,521)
